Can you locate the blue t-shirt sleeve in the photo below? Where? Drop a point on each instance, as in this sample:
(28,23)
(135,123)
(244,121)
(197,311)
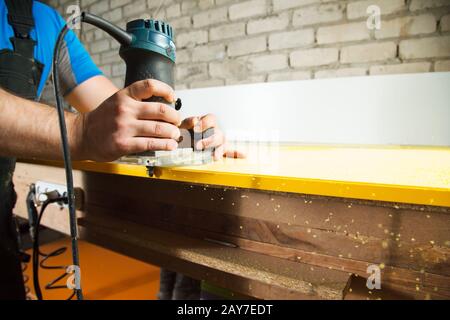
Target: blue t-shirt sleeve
(76,65)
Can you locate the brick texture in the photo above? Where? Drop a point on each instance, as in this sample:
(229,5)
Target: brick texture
(318,14)
(379,51)
(445,23)
(268,24)
(358,9)
(344,72)
(268,63)
(407,26)
(401,68)
(225,42)
(425,48)
(427,4)
(248,9)
(343,33)
(314,57)
(289,4)
(443,65)
(247,46)
(291,39)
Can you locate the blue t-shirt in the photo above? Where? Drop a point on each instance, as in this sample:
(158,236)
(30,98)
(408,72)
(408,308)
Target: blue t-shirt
(76,64)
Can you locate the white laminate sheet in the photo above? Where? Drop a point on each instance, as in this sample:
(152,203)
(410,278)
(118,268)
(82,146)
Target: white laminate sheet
(411,109)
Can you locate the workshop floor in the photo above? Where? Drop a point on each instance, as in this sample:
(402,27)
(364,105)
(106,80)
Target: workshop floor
(105,274)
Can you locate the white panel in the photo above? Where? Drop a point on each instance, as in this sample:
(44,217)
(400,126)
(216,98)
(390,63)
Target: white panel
(411,109)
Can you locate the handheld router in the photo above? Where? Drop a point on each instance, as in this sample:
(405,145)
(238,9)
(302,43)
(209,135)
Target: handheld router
(148,49)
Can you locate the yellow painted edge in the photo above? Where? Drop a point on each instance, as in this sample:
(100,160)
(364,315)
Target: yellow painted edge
(355,190)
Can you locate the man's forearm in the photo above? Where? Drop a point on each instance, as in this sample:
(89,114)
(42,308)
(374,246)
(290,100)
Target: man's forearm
(30,130)
(122,124)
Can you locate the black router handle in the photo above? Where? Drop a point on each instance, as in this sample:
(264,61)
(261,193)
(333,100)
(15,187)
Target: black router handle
(143,64)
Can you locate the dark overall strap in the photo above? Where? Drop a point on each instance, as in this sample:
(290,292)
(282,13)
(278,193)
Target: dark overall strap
(20,17)
(14,67)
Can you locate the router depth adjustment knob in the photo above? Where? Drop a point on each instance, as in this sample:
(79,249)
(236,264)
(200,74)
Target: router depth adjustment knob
(178,104)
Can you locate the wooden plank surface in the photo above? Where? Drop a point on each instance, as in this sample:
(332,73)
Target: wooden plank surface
(410,242)
(297,280)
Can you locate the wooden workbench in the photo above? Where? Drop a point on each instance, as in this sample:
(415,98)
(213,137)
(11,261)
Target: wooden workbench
(287,222)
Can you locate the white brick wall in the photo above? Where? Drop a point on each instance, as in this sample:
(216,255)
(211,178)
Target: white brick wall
(227,31)
(173,11)
(248,9)
(288,4)
(192,71)
(135,7)
(268,63)
(291,39)
(358,9)
(318,14)
(99,46)
(343,33)
(416,67)
(314,57)
(445,23)
(344,72)
(407,26)
(425,48)
(379,51)
(209,17)
(427,4)
(247,46)
(208,53)
(287,76)
(224,42)
(443,65)
(191,38)
(272,23)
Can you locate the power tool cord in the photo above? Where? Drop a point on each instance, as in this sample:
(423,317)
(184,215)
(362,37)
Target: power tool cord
(36,253)
(67,159)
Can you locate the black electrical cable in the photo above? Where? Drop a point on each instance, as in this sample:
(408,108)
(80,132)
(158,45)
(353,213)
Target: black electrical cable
(35,255)
(36,252)
(46,256)
(66,156)
(52,284)
(120,35)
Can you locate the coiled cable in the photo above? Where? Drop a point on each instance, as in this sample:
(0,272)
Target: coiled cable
(35,223)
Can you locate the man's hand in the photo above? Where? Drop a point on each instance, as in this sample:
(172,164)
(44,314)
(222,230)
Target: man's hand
(121,125)
(124,124)
(217,140)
